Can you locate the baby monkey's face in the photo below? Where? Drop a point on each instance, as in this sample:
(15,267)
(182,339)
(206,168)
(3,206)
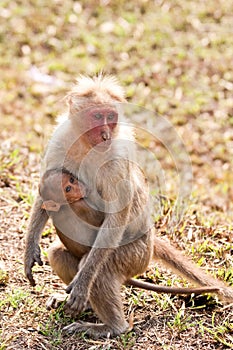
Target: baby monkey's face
(72,188)
(58,188)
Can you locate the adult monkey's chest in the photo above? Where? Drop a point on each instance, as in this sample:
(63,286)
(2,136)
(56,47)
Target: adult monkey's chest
(101,173)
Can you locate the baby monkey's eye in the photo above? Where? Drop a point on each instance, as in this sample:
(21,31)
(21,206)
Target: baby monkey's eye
(68,188)
(71,180)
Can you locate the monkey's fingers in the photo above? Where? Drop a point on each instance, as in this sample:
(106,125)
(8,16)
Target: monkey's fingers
(32,281)
(37,256)
(39,261)
(69,288)
(75,304)
(29,266)
(28,274)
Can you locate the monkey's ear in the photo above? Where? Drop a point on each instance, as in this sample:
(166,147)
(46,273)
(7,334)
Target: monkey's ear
(76,102)
(50,205)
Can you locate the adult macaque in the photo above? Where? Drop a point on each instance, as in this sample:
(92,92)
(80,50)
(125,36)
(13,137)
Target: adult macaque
(95,259)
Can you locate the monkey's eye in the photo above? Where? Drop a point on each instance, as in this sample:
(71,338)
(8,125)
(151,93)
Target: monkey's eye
(71,180)
(98,116)
(111,116)
(68,188)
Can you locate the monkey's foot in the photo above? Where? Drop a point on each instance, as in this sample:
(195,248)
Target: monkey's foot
(55,301)
(94,331)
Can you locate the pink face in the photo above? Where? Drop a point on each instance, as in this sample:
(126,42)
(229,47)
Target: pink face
(101,122)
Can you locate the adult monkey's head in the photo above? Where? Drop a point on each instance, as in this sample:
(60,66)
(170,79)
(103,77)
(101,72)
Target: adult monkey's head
(92,105)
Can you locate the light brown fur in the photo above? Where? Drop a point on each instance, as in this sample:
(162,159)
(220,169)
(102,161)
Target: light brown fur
(53,190)
(125,242)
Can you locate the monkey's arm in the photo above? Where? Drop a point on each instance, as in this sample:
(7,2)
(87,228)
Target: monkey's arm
(38,219)
(116,194)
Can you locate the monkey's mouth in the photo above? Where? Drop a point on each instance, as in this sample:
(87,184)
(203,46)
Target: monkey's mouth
(103,144)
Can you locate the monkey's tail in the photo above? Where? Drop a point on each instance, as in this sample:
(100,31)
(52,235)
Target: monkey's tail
(171,290)
(174,259)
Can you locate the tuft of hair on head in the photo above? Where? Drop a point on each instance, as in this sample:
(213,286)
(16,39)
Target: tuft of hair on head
(101,89)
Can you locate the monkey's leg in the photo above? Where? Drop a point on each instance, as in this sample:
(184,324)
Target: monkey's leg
(106,301)
(63,262)
(124,262)
(66,266)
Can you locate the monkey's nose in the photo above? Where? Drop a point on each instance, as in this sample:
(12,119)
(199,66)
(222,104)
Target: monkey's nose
(105,135)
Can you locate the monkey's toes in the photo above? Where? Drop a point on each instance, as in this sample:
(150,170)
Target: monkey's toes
(95,331)
(74,328)
(55,301)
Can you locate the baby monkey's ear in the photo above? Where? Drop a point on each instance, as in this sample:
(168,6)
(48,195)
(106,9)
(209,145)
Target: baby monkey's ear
(50,205)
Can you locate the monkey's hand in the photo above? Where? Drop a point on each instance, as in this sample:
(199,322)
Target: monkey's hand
(31,257)
(78,298)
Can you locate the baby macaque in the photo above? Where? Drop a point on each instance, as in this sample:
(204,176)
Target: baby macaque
(59,187)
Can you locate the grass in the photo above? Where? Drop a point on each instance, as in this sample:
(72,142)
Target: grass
(173,58)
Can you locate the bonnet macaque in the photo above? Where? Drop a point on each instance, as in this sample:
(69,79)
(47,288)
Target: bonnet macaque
(111,238)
